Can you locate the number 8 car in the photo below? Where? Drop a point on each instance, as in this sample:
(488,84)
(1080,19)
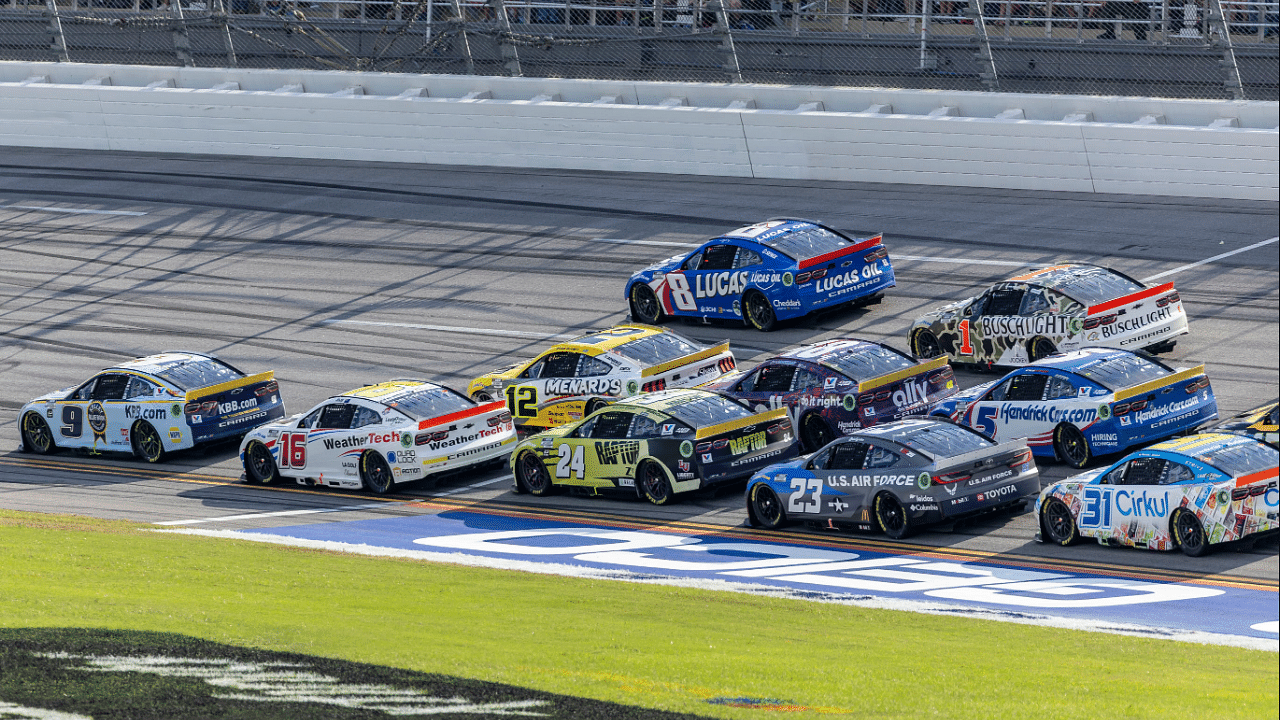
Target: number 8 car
(379,435)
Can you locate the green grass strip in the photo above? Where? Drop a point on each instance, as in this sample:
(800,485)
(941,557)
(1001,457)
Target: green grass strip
(646,645)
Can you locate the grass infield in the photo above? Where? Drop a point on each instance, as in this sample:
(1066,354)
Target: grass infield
(645,645)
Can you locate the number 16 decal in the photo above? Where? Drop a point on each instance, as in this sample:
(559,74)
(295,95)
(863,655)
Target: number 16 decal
(293,450)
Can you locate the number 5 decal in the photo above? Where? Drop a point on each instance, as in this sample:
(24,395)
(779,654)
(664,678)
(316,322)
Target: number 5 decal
(801,487)
(984,420)
(570,462)
(522,401)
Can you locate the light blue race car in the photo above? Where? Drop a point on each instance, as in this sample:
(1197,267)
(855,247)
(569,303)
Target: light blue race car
(1089,402)
(763,273)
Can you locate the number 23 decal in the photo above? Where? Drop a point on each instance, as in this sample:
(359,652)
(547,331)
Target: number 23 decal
(801,487)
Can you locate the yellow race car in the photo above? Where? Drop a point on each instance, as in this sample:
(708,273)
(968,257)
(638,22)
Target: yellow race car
(574,379)
(1262,423)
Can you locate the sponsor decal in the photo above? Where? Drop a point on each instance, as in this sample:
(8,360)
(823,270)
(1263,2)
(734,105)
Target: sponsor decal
(706,457)
(756,458)
(406,440)
(1046,413)
(991,478)
(682,465)
(788,279)
(406,471)
(923,507)
(1104,412)
(786,304)
(841,283)
(686,449)
(633,387)
(346,442)
(849,402)
(1156,413)
(749,443)
(1128,325)
(237,405)
(175,410)
(464,439)
(997,493)
(720,284)
(924,481)
(584,386)
(1139,504)
(870,480)
(138,412)
(97,417)
(175,435)
(475,451)
(617,452)
(838,506)
(350,468)
(912,393)
(1014,326)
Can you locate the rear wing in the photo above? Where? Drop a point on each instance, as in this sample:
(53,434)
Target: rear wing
(977,456)
(245,381)
(686,360)
(1260,478)
(837,254)
(1126,393)
(482,409)
(1130,299)
(897,375)
(731,425)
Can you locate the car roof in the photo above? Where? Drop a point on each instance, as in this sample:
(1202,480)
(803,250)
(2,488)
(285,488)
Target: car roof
(1073,361)
(758,232)
(385,392)
(155,364)
(900,430)
(598,342)
(663,400)
(1202,445)
(821,351)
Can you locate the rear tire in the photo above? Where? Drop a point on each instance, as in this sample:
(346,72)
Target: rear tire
(757,311)
(375,473)
(766,507)
(36,436)
(644,305)
(1070,446)
(532,476)
(146,441)
(924,344)
(653,484)
(259,465)
(591,406)
(814,433)
(1189,533)
(1039,348)
(892,517)
(1057,524)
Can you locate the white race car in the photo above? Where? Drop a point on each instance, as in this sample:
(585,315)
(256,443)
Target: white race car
(379,435)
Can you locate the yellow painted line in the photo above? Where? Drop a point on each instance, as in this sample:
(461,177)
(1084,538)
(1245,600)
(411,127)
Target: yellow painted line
(1150,385)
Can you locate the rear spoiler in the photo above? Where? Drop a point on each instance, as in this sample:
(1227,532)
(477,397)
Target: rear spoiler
(1131,298)
(462,414)
(230,384)
(732,425)
(835,254)
(897,375)
(1126,393)
(976,455)
(686,360)
(1257,477)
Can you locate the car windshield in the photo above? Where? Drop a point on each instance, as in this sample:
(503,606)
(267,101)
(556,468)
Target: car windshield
(1244,458)
(807,242)
(706,410)
(944,440)
(429,402)
(199,373)
(657,349)
(1122,370)
(1094,285)
(864,362)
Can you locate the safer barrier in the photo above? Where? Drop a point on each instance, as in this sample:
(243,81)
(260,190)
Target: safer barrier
(1043,142)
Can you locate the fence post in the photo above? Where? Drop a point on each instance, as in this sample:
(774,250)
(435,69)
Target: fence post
(986,61)
(725,31)
(181,42)
(221,19)
(57,41)
(506,43)
(462,31)
(928,59)
(1220,37)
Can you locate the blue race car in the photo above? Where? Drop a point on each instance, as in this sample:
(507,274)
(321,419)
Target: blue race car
(763,273)
(1088,402)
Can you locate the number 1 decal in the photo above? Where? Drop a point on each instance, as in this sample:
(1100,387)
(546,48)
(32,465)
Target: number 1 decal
(966,347)
(293,450)
(681,295)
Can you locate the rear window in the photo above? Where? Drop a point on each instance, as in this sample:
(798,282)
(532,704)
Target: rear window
(198,373)
(430,402)
(868,361)
(1244,458)
(707,410)
(807,242)
(657,349)
(1121,371)
(945,440)
(1095,285)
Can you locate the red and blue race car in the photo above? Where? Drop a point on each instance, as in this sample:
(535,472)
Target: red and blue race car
(763,273)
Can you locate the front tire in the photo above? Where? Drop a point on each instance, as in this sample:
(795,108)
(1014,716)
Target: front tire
(1057,524)
(259,465)
(924,344)
(766,507)
(36,436)
(653,484)
(1039,348)
(591,406)
(1189,533)
(532,476)
(758,312)
(814,433)
(892,517)
(644,305)
(1070,446)
(147,443)
(375,473)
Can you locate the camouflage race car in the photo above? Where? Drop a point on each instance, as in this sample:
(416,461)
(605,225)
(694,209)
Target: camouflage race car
(574,379)
(657,445)
(1060,308)
(1261,423)
(840,386)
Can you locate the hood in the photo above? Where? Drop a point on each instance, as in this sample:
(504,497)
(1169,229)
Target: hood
(951,309)
(667,265)
(56,395)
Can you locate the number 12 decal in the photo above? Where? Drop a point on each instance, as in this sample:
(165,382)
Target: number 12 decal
(522,401)
(571,462)
(293,450)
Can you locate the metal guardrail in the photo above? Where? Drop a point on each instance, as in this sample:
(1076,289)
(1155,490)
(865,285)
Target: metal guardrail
(1203,48)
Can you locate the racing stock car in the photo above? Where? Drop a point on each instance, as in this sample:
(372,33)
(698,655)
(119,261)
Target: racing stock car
(763,273)
(1064,307)
(1094,401)
(1262,423)
(901,476)
(839,386)
(151,406)
(379,435)
(1192,493)
(658,445)
(573,379)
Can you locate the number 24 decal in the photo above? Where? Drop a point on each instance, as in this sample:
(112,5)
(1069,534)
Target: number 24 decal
(571,462)
(801,487)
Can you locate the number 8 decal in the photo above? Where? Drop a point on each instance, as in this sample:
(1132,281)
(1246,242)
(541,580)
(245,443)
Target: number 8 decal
(681,295)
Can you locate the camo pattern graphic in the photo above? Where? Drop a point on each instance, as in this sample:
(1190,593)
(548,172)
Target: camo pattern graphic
(1060,322)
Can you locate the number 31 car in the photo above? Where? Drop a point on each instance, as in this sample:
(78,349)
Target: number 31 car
(659,444)
(1192,493)
(380,435)
(763,273)
(151,406)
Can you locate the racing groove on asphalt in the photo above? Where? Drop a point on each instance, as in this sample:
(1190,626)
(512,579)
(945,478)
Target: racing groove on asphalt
(274,264)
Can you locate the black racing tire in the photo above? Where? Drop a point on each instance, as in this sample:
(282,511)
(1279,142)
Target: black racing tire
(1161,347)
(482,397)
(757,311)
(375,473)
(925,345)
(1189,533)
(1057,525)
(1070,446)
(259,465)
(36,435)
(644,305)
(815,433)
(591,406)
(892,516)
(766,507)
(1039,348)
(146,442)
(531,475)
(652,483)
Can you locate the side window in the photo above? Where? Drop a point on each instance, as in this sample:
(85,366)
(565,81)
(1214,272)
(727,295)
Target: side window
(775,378)
(312,418)
(612,425)
(364,416)
(848,456)
(1004,302)
(84,392)
(593,367)
(748,383)
(719,257)
(644,426)
(1029,387)
(336,416)
(1115,477)
(1001,391)
(878,457)
(585,429)
(110,387)
(820,461)
(1034,302)
(560,365)
(805,379)
(693,262)
(1144,471)
(139,388)
(1177,473)
(1273,417)
(534,371)
(747,258)
(1059,387)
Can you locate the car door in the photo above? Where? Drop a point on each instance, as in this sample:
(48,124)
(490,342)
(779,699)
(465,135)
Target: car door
(715,283)
(1006,410)
(545,379)
(1134,501)
(768,386)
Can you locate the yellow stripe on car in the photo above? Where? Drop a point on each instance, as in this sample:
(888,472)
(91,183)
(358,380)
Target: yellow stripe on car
(1150,385)
(731,425)
(230,384)
(686,360)
(895,376)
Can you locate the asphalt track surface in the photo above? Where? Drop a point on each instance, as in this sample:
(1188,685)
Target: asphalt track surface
(340,274)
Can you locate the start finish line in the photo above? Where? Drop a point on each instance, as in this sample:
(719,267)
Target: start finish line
(1183,611)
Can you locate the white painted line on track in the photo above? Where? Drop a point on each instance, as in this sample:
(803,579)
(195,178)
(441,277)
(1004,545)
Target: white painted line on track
(1206,261)
(473,486)
(282,513)
(957,261)
(661,243)
(463,330)
(73,211)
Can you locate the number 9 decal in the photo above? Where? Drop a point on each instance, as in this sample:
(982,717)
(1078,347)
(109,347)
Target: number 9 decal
(72,421)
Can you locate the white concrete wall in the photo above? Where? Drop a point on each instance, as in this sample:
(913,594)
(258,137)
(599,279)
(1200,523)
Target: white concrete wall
(1043,142)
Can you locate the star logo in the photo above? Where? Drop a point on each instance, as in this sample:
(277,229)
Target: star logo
(838,505)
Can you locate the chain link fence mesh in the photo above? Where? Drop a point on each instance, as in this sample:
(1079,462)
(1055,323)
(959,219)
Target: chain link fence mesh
(1163,48)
